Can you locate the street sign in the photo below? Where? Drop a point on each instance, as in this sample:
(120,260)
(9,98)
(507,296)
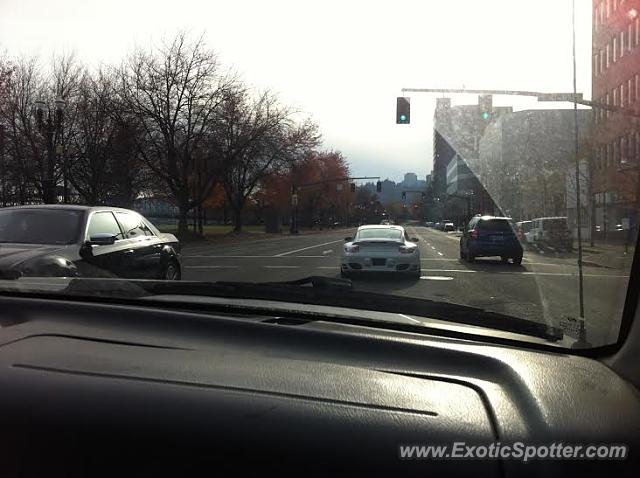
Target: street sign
(294,199)
(559,97)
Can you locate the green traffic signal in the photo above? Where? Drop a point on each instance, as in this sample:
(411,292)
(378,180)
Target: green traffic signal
(485,115)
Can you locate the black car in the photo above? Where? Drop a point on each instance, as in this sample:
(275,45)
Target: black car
(83,241)
(490,236)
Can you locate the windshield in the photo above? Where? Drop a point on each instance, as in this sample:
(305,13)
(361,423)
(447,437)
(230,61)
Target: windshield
(379,234)
(32,226)
(248,141)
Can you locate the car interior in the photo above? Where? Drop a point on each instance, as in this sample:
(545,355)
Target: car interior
(110,386)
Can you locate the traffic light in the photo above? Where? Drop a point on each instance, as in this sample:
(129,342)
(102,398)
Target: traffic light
(404,195)
(403,110)
(485,107)
(379,186)
(353,187)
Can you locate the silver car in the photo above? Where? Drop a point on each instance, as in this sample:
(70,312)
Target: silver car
(380,248)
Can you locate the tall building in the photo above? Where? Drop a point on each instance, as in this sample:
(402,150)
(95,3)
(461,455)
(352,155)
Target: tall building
(525,158)
(410,179)
(456,137)
(616,136)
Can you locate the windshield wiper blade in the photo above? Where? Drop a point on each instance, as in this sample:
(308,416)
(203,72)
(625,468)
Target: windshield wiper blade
(326,291)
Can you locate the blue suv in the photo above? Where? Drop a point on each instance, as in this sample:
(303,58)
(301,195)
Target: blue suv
(490,236)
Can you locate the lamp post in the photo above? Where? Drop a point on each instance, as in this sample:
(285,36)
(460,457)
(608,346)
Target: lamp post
(49,127)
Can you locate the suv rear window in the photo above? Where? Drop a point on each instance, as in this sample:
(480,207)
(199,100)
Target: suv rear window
(498,225)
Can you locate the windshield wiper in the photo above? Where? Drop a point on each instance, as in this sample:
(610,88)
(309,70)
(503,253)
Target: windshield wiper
(318,290)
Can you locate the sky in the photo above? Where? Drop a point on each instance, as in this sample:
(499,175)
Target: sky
(341,62)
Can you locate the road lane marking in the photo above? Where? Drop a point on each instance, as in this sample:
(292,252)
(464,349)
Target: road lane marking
(440,259)
(440,254)
(307,248)
(328,251)
(436,278)
(410,318)
(328,267)
(432,247)
(212,267)
(281,267)
(247,257)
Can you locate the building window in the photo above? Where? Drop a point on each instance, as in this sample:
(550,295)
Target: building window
(637,156)
(630,91)
(595,64)
(615,96)
(615,49)
(637,88)
(608,101)
(623,150)
(622,33)
(622,95)
(601,61)
(637,31)
(608,2)
(608,63)
(607,156)
(596,18)
(630,42)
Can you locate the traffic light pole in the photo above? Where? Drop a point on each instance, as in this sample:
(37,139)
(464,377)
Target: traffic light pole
(541,96)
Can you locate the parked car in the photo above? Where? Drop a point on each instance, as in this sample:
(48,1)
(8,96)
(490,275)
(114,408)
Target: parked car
(83,241)
(445,222)
(551,232)
(380,248)
(523,231)
(448,226)
(487,236)
(430,224)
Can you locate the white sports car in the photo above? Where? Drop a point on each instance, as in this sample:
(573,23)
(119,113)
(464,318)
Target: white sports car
(380,248)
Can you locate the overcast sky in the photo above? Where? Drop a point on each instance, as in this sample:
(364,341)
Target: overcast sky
(344,62)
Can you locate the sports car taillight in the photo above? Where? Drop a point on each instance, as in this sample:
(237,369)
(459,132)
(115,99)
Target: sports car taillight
(406,250)
(352,248)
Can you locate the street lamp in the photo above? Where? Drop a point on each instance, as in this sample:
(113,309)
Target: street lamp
(49,127)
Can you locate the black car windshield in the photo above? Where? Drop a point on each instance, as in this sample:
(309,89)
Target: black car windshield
(39,226)
(379,234)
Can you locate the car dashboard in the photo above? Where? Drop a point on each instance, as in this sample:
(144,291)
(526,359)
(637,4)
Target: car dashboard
(104,389)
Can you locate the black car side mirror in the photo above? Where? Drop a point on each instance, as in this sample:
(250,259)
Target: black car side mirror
(348,239)
(415,239)
(102,239)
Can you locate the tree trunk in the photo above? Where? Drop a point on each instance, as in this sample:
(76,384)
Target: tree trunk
(183,227)
(237,219)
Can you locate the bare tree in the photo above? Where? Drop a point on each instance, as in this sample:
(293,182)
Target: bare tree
(255,138)
(23,146)
(170,94)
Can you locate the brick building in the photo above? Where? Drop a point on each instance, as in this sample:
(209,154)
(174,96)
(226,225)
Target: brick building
(616,136)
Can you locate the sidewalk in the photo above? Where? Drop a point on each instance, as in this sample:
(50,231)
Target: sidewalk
(608,255)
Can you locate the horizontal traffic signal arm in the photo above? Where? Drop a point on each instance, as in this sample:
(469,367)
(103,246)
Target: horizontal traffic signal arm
(541,96)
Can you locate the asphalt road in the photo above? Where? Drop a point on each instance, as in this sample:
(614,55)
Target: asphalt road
(544,288)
